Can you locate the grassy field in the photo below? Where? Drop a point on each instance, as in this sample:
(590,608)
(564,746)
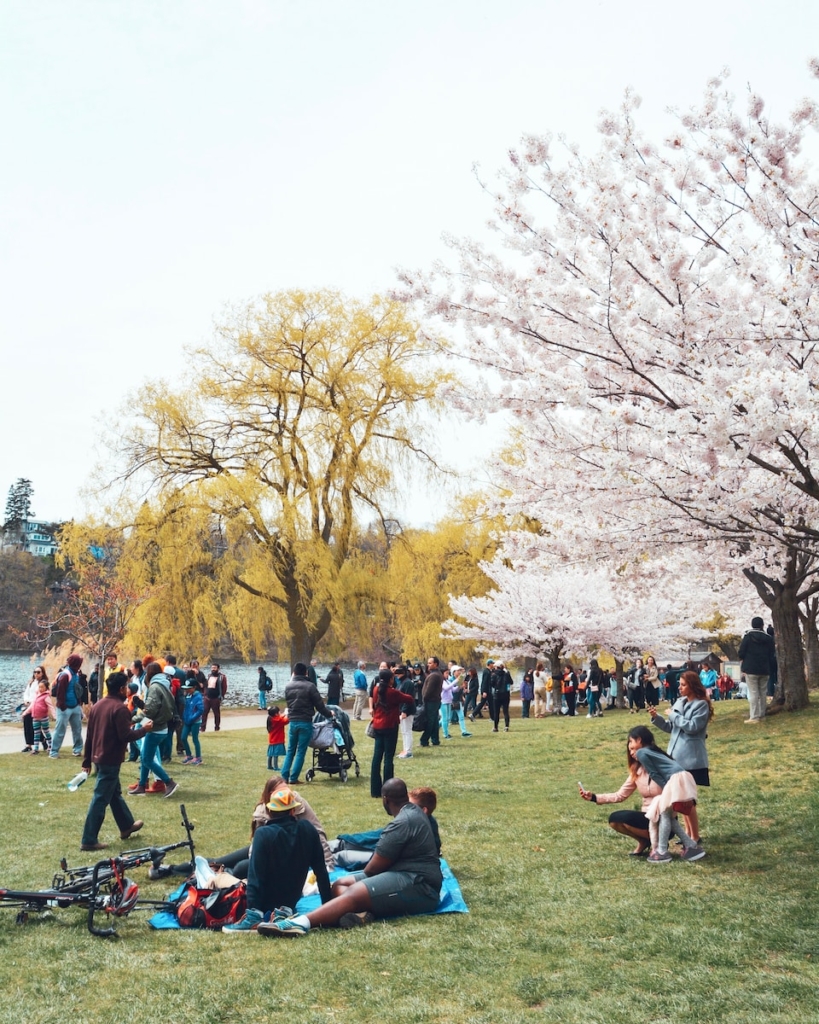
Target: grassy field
(563,925)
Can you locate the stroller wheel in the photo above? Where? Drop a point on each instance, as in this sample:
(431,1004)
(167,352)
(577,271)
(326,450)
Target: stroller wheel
(310,775)
(357,770)
(343,774)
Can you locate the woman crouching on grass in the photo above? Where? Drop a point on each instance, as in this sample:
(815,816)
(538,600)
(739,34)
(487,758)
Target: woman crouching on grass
(649,771)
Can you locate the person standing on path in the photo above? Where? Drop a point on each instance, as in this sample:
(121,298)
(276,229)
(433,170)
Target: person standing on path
(69,712)
(335,685)
(757,654)
(265,685)
(215,690)
(29,696)
(303,700)
(360,686)
(108,735)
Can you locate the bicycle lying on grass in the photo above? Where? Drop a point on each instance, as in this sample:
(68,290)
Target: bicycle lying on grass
(101,887)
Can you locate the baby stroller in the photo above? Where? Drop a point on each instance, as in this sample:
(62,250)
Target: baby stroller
(332,745)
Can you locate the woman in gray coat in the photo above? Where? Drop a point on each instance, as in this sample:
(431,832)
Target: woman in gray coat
(687,722)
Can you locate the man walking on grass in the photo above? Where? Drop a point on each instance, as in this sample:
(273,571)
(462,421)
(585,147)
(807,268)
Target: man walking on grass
(108,735)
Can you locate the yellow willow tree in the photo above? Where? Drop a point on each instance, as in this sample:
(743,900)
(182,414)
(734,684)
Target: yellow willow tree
(292,423)
(194,608)
(425,568)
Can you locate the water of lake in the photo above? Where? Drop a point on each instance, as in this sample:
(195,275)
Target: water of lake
(243,691)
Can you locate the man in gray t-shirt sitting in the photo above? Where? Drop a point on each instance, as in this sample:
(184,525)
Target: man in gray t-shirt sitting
(403,876)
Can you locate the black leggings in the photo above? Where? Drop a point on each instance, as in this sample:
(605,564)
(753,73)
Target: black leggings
(500,702)
(631,819)
(236,862)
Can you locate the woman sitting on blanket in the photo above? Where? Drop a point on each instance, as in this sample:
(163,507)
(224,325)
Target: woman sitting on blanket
(665,788)
(237,861)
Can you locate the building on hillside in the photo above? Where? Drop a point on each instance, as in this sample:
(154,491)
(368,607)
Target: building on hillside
(32,535)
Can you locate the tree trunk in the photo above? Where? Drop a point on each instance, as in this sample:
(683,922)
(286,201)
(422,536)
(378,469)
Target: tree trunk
(792,687)
(620,699)
(303,638)
(781,597)
(811,636)
(554,661)
(729,646)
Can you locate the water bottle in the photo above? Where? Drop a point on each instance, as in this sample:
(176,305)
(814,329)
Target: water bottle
(77,781)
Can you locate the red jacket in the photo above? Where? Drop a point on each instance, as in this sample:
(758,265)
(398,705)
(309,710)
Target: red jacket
(388,717)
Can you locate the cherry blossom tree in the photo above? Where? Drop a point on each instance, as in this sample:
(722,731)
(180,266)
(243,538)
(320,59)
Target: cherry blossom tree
(650,313)
(542,609)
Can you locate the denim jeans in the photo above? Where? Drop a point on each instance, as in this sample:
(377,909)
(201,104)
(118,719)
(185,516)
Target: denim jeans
(299,735)
(72,717)
(107,793)
(150,762)
(191,730)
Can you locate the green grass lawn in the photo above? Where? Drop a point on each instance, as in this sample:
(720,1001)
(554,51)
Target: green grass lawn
(563,925)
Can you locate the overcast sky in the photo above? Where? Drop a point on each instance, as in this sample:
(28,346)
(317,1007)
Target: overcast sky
(162,159)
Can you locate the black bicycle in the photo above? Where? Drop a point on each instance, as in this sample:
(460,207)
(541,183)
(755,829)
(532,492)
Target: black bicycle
(101,887)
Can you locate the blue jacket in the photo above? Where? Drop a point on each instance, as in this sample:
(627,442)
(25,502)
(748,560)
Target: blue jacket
(688,725)
(194,708)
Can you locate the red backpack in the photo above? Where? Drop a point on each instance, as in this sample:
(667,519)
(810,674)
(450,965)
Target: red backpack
(211,908)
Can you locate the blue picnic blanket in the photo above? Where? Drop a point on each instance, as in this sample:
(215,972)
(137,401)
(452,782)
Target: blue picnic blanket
(451,900)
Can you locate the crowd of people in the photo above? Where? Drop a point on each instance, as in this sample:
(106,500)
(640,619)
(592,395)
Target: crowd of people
(154,706)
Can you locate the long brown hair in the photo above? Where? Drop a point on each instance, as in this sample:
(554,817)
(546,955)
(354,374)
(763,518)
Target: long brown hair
(646,738)
(698,691)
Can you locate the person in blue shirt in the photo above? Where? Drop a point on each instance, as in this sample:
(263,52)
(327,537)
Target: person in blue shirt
(708,678)
(360,687)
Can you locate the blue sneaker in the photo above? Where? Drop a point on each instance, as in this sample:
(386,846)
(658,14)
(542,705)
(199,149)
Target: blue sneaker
(283,926)
(247,926)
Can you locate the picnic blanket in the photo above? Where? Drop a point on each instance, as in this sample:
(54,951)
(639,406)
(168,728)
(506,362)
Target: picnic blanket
(451,901)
